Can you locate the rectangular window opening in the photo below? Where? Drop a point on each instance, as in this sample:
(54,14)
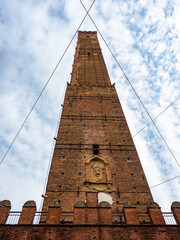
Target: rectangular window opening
(95,149)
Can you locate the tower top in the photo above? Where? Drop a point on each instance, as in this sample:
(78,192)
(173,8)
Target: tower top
(89,68)
(87,32)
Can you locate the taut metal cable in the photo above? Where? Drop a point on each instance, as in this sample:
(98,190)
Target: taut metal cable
(131,85)
(46,84)
(157,116)
(165,181)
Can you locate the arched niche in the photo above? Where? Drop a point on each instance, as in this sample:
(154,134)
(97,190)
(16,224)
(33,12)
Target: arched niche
(97,174)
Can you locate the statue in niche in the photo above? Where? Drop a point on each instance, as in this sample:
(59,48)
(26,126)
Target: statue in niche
(97,174)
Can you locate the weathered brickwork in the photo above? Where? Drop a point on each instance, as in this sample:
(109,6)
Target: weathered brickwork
(5,207)
(92,114)
(27,213)
(78,232)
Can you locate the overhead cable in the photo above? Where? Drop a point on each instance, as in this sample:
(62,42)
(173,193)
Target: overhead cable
(130,84)
(157,116)
(46,84)
(165,181)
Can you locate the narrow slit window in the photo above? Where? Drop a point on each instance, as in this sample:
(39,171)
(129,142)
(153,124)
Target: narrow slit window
(96,149)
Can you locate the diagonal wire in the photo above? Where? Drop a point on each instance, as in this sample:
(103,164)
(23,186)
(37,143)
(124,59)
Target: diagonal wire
(152,120)
(157,116)
(165,181)
(45,85)
(131,85)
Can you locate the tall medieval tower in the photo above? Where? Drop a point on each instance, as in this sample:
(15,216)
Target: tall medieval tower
(94,150)
(94,154)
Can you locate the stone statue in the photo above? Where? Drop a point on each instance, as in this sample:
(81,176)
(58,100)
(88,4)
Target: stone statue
(98,171)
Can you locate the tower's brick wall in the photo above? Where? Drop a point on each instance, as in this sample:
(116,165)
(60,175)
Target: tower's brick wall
(92,114)
(78,232)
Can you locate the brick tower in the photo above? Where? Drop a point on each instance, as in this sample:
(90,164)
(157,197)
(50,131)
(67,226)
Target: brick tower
(94,150)
(94,154)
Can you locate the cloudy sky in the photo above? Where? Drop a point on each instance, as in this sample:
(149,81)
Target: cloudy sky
(145,38)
